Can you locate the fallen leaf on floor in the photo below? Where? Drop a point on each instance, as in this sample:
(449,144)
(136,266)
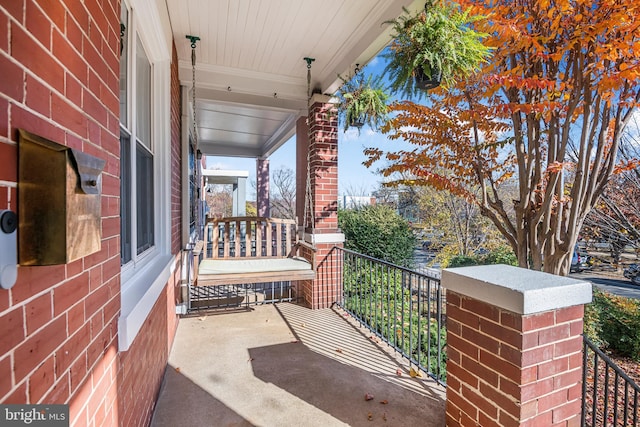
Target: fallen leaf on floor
(339,350)
(304,325)
(399,372)
(345,314)
(251,359)
(177,369)
(414,373)
(384,402)
(368,396)
(370,416)
(201,318)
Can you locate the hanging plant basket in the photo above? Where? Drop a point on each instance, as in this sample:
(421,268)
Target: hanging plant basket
(358,122)
(426,81)
(362,102)
(438,43)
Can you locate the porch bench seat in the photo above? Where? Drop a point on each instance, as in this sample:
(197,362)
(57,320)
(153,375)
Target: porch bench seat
(253,270)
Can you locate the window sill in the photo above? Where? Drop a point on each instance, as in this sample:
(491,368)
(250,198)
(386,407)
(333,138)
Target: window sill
(139,296)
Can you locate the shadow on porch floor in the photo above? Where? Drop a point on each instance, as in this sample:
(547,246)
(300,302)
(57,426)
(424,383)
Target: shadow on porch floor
(285,365)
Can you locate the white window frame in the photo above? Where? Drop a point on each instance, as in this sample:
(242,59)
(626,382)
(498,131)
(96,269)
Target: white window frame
(145,276)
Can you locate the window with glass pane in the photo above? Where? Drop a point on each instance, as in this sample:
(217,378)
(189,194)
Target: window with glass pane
(124,60)
(144,201)
(143,95)
(193,188)
(125,198)
(137,218)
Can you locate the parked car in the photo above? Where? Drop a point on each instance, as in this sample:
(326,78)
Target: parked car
(633,273)
(579,262)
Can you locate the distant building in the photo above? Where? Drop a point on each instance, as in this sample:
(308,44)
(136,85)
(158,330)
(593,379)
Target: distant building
(354,202)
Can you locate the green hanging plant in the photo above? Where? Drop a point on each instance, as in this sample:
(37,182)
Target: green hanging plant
(436,45)
(362,102)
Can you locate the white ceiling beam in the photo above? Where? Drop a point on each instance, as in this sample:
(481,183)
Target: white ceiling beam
(222,149)
(298,106)
(244,81)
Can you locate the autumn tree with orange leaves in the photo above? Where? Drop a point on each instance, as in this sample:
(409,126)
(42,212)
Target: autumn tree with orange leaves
(547,111)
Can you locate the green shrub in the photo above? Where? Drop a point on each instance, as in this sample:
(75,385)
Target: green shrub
(592,327)
(378,231)
(613,322)
(463,261)
(500,255)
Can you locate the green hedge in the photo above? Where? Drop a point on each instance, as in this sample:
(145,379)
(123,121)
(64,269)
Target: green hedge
(378,231)
(501,255)
(613,322)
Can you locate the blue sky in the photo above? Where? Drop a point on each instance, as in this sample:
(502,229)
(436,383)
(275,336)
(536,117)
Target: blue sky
(352,174)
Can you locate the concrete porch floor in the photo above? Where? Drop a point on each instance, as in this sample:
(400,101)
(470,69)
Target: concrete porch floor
(286,365)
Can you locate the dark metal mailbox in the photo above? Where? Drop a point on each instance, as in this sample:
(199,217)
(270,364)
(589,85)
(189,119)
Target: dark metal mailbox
(59,206)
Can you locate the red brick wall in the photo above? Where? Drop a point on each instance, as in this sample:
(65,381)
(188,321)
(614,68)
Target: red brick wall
(326,288)
(58,324)
(176,156)
(512,370)
(142,367)
(176,192)
(324,166)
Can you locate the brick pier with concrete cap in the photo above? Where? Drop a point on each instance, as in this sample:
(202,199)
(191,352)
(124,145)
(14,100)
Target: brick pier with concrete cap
(317,135)
(514,347)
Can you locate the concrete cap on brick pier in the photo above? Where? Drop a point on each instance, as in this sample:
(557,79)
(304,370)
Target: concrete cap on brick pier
(517,289)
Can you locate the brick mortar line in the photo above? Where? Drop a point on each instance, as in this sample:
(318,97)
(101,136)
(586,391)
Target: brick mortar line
(55,124)
(29,375)
(50,53)
(555,323)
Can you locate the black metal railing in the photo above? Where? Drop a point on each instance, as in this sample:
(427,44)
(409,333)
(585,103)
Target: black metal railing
(402,307)
(239,296)
(610,397)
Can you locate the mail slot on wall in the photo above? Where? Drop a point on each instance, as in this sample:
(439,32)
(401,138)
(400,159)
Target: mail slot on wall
(59,188)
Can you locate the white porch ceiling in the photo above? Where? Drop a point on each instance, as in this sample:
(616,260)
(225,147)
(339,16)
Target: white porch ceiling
(251,79)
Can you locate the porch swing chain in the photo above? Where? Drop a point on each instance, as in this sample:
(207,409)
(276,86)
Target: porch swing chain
(193,40)
(308,201)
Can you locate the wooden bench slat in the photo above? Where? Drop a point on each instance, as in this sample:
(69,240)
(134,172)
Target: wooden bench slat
(269,239)
(225,252)
(288,238)
(249,240)
(237,237)
(279,240)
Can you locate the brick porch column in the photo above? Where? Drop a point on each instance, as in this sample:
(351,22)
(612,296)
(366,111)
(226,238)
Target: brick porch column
(262,184)
(318,135)
(514,347)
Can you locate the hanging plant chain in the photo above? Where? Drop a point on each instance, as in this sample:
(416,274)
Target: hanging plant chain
(309,215)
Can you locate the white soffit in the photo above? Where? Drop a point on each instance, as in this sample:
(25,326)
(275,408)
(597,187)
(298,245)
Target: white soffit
(250,54)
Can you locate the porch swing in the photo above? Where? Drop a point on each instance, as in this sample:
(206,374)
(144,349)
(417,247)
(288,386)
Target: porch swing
(250,250)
